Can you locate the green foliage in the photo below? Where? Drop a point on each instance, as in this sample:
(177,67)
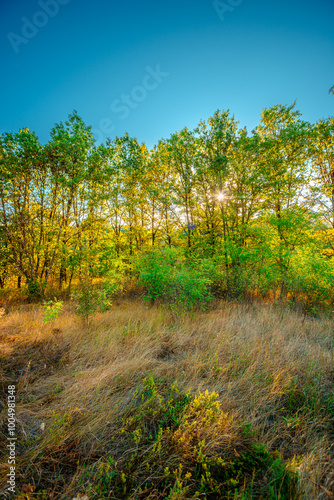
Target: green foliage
(230,213)
(180,446)
(52,310)
(311,280)
(90,298)
(155,269)
(191,289)
(35,289)
(166,276)
(212,270)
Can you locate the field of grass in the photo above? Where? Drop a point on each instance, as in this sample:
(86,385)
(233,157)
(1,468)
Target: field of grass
(233,403)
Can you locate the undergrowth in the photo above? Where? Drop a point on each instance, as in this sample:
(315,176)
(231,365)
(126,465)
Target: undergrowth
(127,407)
(174,445)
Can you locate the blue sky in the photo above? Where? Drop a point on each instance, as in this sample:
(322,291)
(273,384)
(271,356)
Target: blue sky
(151,68)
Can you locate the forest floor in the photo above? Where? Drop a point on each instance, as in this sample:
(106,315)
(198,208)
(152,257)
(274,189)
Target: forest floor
(236,402)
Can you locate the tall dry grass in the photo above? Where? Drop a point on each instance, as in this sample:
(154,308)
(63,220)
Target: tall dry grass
(271,368)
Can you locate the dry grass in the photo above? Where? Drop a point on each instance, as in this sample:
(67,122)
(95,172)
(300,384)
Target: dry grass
(271,368)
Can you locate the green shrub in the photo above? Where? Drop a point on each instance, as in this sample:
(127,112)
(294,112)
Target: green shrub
(190,289)
(174,445)
(212,270)
(116,277)
(36,289)
(52,309)
(311,281)
(166,276)
(155,271)
(90,298)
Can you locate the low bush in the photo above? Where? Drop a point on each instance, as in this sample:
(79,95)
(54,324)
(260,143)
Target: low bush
(174,445)
(311,281)
(166,276)
(90,298)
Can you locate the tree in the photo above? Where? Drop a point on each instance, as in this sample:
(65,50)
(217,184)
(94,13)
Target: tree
(322,153)
(68,155)
(181,148)
(284,156)
(26,188)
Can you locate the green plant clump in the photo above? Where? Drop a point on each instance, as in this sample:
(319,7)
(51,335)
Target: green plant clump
(173,445)
(168,279)
(52,310)
(90,299)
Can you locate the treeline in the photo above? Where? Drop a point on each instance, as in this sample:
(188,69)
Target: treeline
(255,211)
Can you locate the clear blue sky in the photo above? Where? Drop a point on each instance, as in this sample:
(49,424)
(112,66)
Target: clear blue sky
(98,57)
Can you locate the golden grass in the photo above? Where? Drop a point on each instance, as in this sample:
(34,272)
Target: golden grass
(271,368)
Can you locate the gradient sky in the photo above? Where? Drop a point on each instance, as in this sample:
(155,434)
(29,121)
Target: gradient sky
(91,55)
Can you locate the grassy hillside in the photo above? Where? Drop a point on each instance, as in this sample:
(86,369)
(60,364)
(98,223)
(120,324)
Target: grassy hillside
(236,402)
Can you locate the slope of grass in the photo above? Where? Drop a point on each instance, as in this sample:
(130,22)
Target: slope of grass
(237,402)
